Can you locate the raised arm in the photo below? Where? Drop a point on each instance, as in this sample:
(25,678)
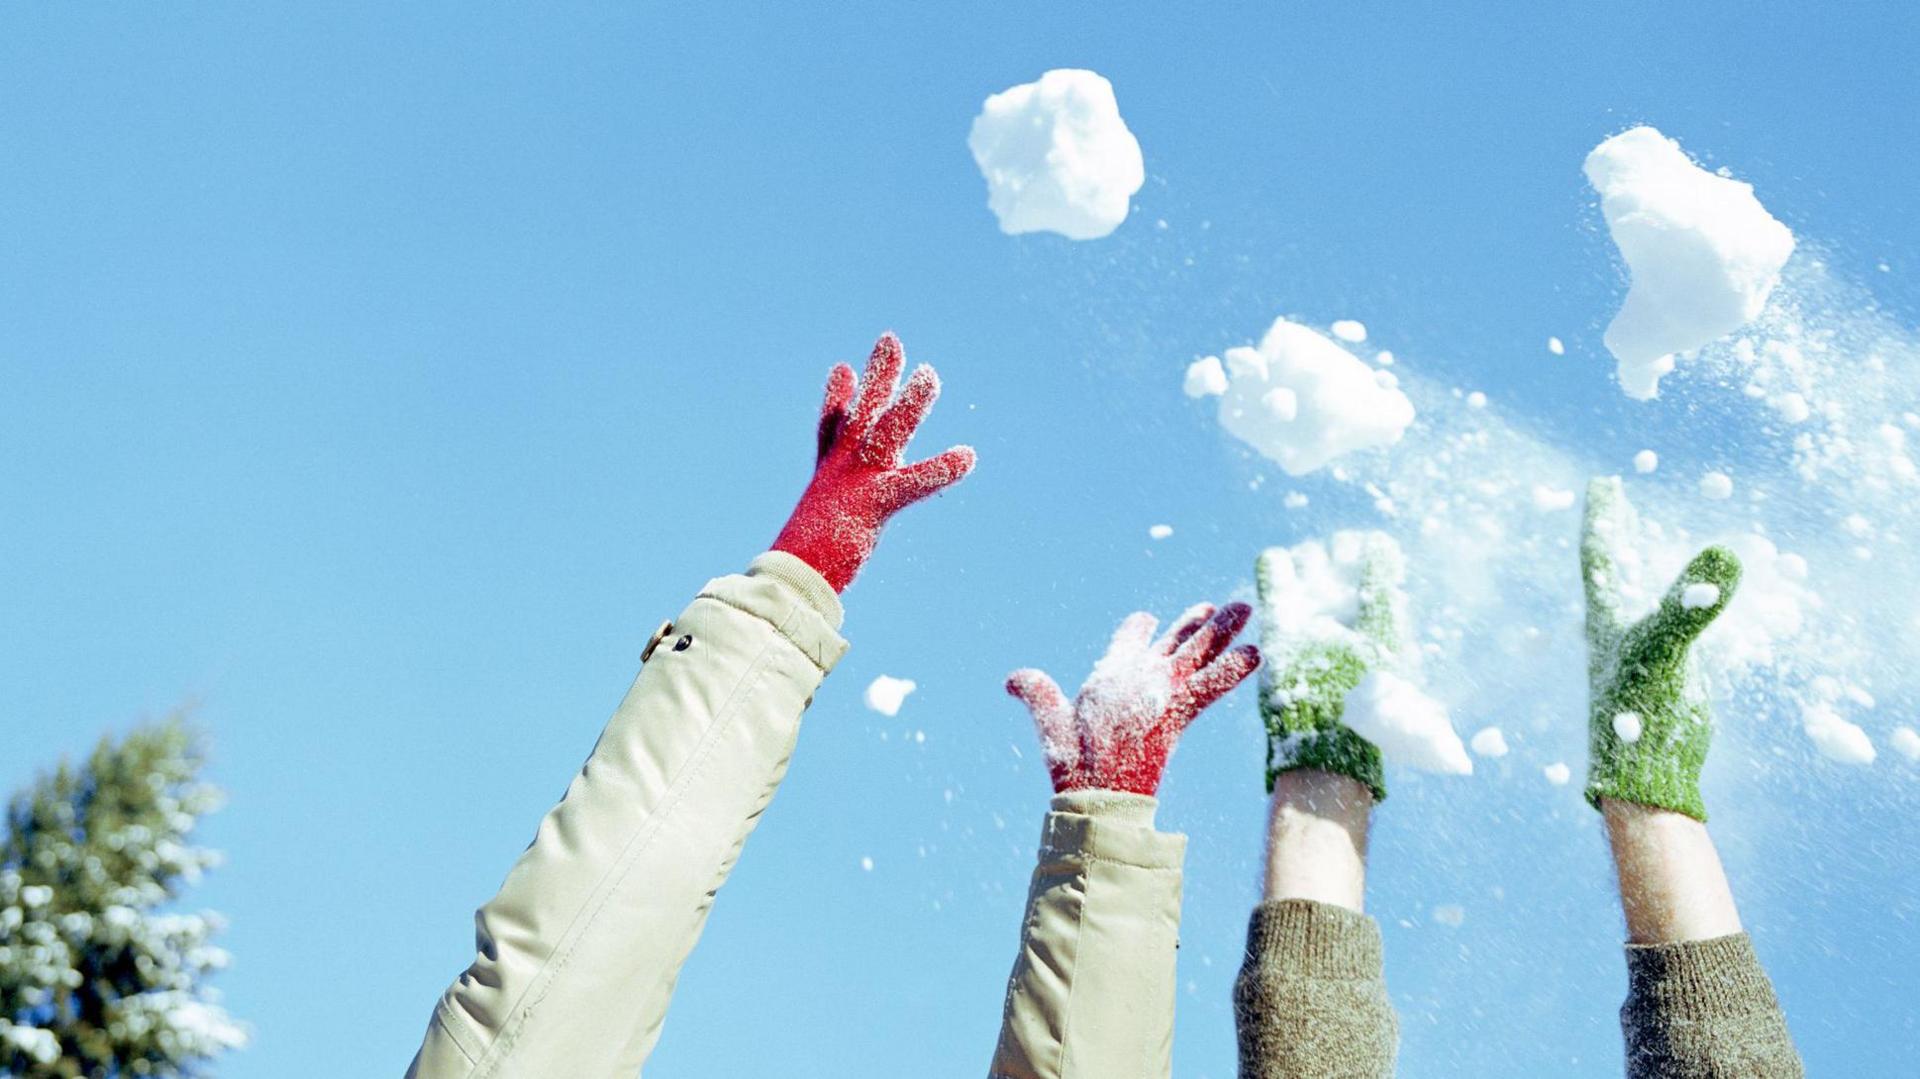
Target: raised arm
(1092,989)
(1698,1002)
(579,951)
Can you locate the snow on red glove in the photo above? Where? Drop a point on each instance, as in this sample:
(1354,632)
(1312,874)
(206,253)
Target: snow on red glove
(858,478)
(1118,733)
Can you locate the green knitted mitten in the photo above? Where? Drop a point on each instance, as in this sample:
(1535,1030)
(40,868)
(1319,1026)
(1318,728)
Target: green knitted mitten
(1649,724)
(1319,637)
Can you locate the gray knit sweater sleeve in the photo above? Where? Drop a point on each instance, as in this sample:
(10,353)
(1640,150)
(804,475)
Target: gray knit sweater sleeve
(1703,1009)
(1310,1002)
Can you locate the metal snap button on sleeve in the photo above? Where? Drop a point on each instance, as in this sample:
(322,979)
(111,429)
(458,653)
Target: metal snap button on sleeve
(683,643)
(654,641)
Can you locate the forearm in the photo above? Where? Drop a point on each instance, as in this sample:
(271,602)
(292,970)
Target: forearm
(1310,999)
(1091,995)
(1698,1002)
(579,951)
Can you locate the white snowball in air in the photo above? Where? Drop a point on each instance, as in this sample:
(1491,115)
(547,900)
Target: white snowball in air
(1792,407)
(1350,331)
(1547,499)
(1301,400)
(1837,738)
(885,694)
(1627,727)
(1557,773)
(1699,594)
(1160,532)
(1489,742)
(1476,399)
(1556,346)
(866,864)
(1645,461)
(1057,157)
(1409,727)
(1907,742)
(1716,485)
(1703,253)
(1205,378)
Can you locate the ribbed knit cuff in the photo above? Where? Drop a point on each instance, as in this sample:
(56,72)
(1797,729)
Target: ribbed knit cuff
(1700,979)
(1304,939)
(803,579)
(1113,826)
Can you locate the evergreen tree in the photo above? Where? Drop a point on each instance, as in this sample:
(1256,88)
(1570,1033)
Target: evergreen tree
(96,977)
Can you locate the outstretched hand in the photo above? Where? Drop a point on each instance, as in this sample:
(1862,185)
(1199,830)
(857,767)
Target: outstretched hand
(1118,733)
(1649,725)
(859,480)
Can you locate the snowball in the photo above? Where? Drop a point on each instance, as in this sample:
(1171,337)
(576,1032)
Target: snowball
(1160,532)
(1301,400)
(1907,742)
(1409,726)
(1645,461)
(1555,346)
(1451,915)
(1294,500)
(1489,742)
(1557,773)
(1627,727)
(1837,738)
(1716,485)
(1476,399)
(1057,157)
(1205,378)
(1548,499)
(1792,407)
(1699,594)
(866,864)
(1704,255)
(1350,331)
(885,695)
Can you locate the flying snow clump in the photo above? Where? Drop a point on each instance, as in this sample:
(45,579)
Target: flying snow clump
(1205,378)
(1057,157)
(1837,738)
(1704,255)
(1489,742)
(886,694)
(1302,400)
(1408,726)
(1907,741)
(1557,773)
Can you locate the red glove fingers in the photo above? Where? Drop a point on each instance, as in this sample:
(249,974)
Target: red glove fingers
(1053,719)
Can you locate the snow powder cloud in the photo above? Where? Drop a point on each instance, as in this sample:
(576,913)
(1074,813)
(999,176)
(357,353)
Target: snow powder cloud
(1057,157)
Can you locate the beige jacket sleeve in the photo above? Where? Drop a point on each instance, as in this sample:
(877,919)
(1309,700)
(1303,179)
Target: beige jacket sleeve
(578,953)
(1091,995)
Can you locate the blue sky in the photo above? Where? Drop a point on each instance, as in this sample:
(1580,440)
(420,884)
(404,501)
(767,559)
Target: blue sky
(379,377)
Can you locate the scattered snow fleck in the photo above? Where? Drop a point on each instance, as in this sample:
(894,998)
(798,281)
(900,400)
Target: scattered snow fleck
(1349,330)
(1627,727)
(1699,594)
(1556,346)
(1476,399)
(1792,407)
(1384,358)
(1489,742)
(866,864)
(1205,378)
(1451,915)
(1645,461)
(1160,532)
(1548,499)
(1716,485)
(1301,400)
(1907,741)
(886,694)
(1057,157)
(1557,773)
(1294,500)
(1408,726)
(1837,738)
(1704,255)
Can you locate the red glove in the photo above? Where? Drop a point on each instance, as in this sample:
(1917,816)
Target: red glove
(858,480)
(1118,733)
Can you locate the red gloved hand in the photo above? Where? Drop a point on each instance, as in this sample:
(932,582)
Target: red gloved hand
(858,480)
(1118,733)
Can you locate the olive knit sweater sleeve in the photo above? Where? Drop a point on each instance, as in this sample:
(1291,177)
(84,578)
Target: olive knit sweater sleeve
(1310,1002)
(1703,1009)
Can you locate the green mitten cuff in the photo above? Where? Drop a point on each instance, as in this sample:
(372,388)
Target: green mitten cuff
(1302,736)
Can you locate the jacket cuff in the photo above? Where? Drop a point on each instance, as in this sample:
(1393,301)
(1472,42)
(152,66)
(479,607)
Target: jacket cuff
(1701,979)
(804,580)
(766,592)
(1305,939)
(1112,826)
